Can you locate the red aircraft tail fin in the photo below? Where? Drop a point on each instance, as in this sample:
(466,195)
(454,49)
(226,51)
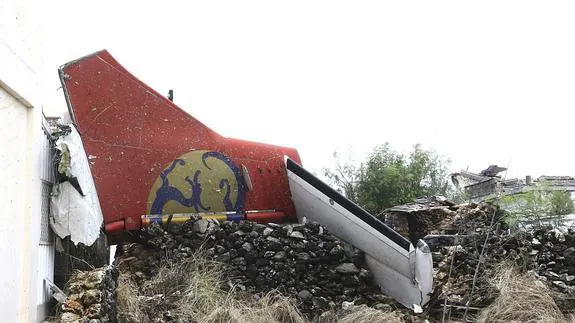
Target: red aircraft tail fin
(149,156)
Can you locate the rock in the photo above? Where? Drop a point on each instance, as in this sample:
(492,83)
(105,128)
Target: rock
(347,268)
(320,302)
(552,274)
(73,306)
(305,295)
(248,246)
(303,256)
(224,257)
(69,317)
(297,235)
(560,284)
(239,261)
(200,226)
(274,240)
(269,254)
(337,251)
(280,255)
(267,231)
(258,227)
(347,305)
(239,233)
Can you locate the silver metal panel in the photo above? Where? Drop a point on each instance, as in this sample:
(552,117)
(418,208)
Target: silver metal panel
(405,275)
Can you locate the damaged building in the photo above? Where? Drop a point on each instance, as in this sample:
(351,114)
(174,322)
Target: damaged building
(489,183)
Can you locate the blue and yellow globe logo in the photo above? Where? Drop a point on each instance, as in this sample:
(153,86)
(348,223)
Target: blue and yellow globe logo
(198,181)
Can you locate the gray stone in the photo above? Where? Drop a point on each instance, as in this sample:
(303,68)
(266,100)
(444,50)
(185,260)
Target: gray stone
(239,261)
(258,227)
(347,268)
(552,274)
(569,278)
(200,226)
(224,257)
(269,254)
(69,317)
(560,284)
(247,246)
(280,255)
(268,231)
(535,242)
(303,256)
(337,251)
(239,233)
(320,302)
(297,235)
(305,295)
(274,240)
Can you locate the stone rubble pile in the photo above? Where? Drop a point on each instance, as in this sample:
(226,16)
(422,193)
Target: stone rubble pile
(91,297)
(303,261)
(546,253)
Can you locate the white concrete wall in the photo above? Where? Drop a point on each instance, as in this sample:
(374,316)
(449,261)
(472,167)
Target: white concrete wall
(20,160)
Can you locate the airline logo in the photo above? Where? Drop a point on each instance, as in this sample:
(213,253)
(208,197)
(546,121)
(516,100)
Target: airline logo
(198,181)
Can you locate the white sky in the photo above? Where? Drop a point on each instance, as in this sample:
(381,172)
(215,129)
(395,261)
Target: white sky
(481,83)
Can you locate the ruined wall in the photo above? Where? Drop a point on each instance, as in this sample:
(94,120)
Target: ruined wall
(91,297)
(20,160)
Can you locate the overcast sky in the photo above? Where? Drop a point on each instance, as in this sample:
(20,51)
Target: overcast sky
(481,83)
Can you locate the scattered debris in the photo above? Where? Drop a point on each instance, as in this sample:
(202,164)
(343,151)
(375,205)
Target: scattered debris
(326,279)
(74,207)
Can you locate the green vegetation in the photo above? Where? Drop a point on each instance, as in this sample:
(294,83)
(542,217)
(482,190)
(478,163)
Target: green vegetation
(537,204)
(388,178)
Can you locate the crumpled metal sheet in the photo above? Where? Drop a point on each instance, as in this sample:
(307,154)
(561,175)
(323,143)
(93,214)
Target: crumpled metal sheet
(72,214)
